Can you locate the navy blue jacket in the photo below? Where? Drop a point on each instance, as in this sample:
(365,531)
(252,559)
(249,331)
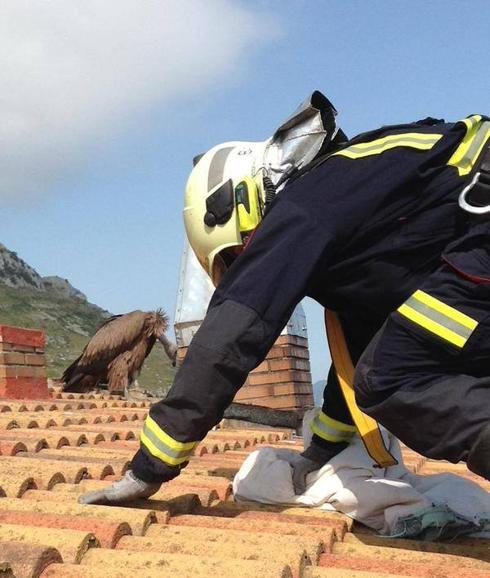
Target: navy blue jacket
(357,233)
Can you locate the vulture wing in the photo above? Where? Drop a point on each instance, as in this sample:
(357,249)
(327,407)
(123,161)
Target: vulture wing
(115,336)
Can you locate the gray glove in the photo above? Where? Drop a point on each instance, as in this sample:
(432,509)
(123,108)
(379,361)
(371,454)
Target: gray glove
(124,490)
(312,459)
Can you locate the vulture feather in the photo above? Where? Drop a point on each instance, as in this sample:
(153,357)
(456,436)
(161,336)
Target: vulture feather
(117,351)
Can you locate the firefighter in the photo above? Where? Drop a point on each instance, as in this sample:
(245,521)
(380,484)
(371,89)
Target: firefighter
(388,230)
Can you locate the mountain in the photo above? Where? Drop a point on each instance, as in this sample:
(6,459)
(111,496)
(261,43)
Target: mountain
(14,272)
(63,312)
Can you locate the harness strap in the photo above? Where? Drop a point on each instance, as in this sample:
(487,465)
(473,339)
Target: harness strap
(366,426)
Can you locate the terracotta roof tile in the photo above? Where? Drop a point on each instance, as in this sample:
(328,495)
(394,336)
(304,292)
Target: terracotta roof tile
(28,560)
(182,565)
(11,447)
(386,559)
(46,473)
(326,533)
(229,544)
(14,484)
(107,533)
(52,438)
(71,544)
(191,527)
(41,502)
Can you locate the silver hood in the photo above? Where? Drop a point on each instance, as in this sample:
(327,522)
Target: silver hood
(300,138)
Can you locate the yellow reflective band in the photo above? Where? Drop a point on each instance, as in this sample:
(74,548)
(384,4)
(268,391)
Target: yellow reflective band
(154,451)
(165,438)
(330,429)
(334,424)
(432,326)
(164,447)
(438,318)
(318,430)
(421,141)
(469,149)
(447,310)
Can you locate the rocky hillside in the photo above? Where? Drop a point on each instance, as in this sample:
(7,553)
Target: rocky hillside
(63,312)
(14,272)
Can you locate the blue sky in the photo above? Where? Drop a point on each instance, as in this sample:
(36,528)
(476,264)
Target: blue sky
(107,213)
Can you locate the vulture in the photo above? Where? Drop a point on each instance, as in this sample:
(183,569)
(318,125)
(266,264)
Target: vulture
(117,351)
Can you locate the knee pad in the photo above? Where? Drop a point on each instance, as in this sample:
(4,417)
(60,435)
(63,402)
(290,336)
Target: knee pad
(478,460)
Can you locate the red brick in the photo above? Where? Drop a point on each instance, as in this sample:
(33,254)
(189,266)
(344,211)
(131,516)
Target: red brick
(301,352)
(302,376)
(274,352)
(289,363)
(22,371)
(273,377)
(264,366)
(288,401)
(35,359)
(12,358)
(24,388)
(249,392)
(21,336)
(5,346)
(280,364)
(26,348)
(8,371)
(288,351)
(292,389)
(30,371)
(291,340)
(265,378)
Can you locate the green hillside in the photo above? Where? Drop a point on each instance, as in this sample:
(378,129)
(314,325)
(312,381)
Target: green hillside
(69,323)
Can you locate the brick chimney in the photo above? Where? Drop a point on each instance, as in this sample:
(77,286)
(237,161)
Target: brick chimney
(22,364)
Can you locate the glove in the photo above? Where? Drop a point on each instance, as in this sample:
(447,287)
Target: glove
(312,459)
(124,490)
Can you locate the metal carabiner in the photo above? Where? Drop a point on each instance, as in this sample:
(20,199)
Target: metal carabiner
(468,207)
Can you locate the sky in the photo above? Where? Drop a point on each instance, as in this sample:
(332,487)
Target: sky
(104,103)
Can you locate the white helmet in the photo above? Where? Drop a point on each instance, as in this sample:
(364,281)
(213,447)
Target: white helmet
(231,185)
(224,202)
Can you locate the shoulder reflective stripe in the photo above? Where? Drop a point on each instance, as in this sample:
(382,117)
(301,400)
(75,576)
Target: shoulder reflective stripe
(164,447)
(330,429)
(414,140)
(438,318)
(468,151)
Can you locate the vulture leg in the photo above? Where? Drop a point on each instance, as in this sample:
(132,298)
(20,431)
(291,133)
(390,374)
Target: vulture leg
(131,384)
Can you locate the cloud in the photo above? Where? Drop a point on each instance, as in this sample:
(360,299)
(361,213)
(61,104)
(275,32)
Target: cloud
(72,71)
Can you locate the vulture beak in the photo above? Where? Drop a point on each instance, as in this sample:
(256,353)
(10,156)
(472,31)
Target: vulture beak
(170,348)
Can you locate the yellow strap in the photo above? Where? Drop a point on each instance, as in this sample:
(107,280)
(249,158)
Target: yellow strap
(366,426)
(469,149)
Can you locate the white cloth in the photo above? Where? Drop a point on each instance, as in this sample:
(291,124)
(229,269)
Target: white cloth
(349,483)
